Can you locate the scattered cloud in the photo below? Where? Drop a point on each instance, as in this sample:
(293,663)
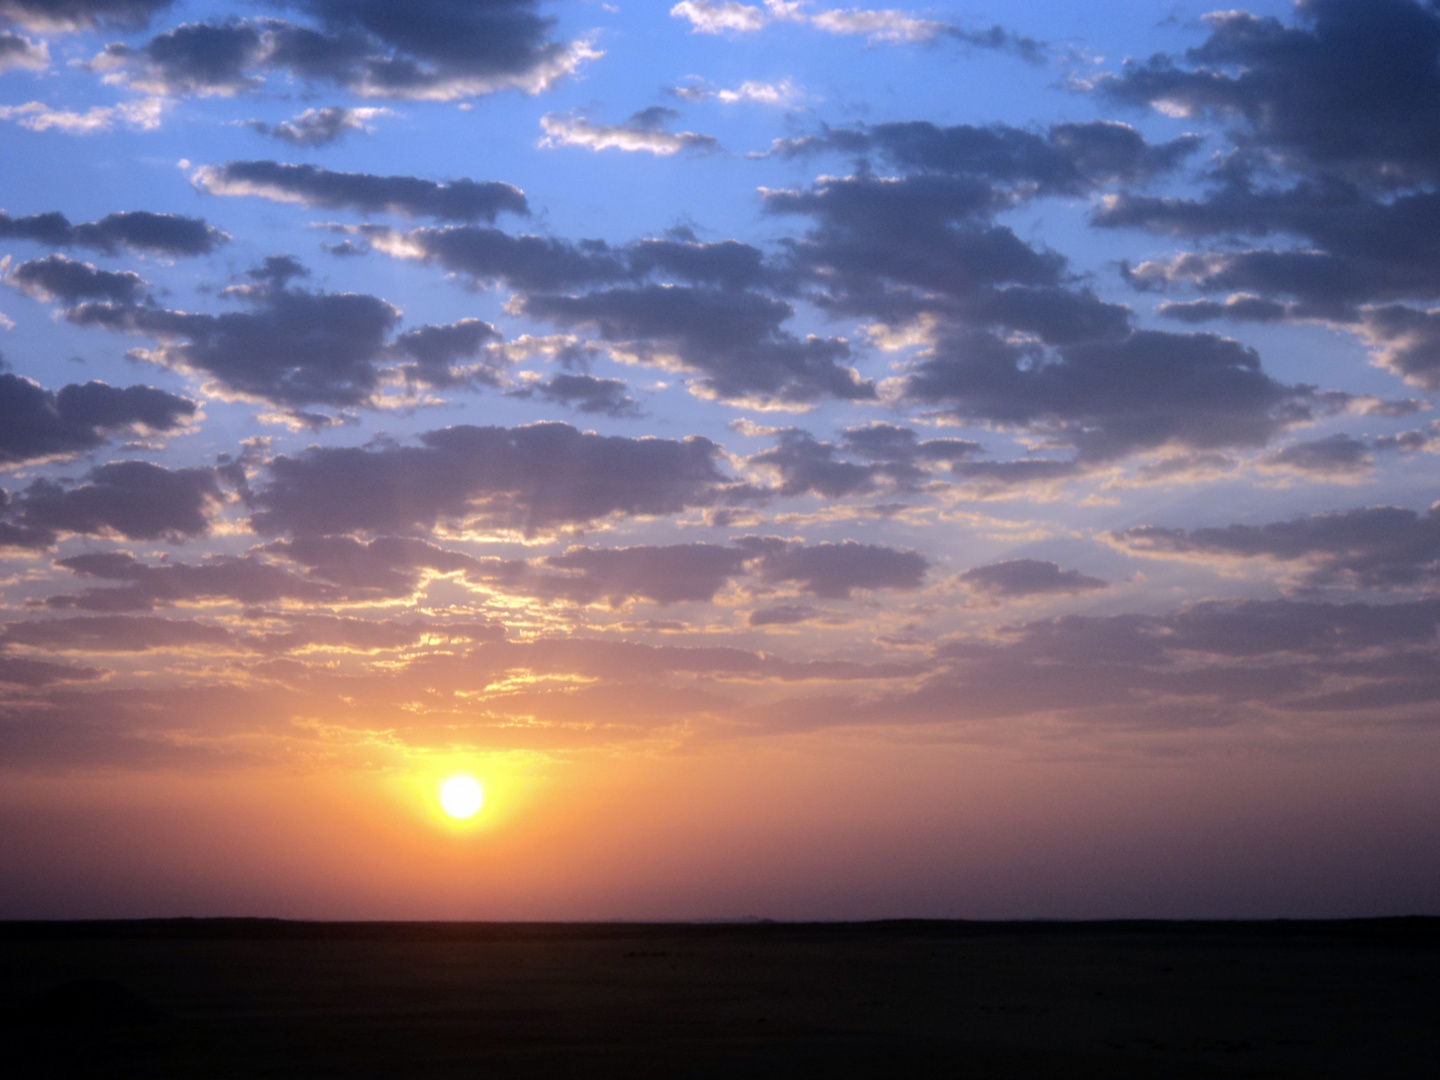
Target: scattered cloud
(143,115)
(319,127)
(172,235)
(310,185)
(647,130)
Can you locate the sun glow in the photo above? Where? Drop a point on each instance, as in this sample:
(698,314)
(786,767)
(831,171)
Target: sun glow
(462,796)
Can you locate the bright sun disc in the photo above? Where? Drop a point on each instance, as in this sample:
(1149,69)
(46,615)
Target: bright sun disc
(461,796)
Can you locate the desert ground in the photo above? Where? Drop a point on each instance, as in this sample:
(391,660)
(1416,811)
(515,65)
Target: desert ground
(263,998)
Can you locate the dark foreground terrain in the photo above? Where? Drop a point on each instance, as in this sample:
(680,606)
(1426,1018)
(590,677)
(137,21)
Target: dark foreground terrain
(256,998)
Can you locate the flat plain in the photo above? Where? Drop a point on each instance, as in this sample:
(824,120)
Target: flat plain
(264,998)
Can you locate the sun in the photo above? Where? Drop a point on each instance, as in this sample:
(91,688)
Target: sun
(462,796)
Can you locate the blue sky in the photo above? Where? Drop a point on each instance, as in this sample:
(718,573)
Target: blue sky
(551,391)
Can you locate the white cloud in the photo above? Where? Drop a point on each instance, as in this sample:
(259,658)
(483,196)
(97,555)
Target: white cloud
(887,24)
(708,17)
(143,115)
(21,52)
(780,93)
(642,132)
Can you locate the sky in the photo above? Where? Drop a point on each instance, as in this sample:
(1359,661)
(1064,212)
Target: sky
(804,461)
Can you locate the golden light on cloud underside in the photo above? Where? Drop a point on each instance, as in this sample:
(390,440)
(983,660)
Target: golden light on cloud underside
(462,796)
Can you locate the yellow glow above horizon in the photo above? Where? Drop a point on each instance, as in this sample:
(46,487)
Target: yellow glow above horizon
(462,796)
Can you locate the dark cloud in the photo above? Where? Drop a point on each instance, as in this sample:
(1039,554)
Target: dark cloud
(305,632)
(194,58)
(533,478)
(665,575)
(1382,547)
(36,423)
(927,245)
(1351,87)
(1107,399)
(1335,456)
(293,347)
(457,200)
(21,52)
(732,340)
(782,615)
(1354,247)
(140,230)
(522,262)
(437,50)
(388,566)
(1069,159)
(833,571)
(437,352)
(140,587)
(807,465)
(890,456)
(1335,156)
(56,277)
(1210,664)
(317,127)
(892,246)
(54,15)
(114,634)
(584,393)
(1405,341)
(132,499)
(1239,308)
(31,674)
(1028,577)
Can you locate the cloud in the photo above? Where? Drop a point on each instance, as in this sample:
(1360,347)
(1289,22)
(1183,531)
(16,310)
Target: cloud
(114,634)
(68,281)
(532,479)
(711,17)
(834,571)
(52,16)
(782,615)
(1383,547)
(319,127)
(1307,92)
(143,115)
(1405,341)
(731,340)
(665,575)
(437,352)
(1334,155)
(292,347)
(548,264)
(486,255)
(806,465)
(904,249)
(584,393)
(439,51)
(877,26)
(1068,159)
(310,185)
(782,93)
(1336,457)
(1210,663)
(131,499)
(220,578)
(1017,578)
(644,131)
(1113,398)
(21,52)
(37,424)
(139,230)
(20,671)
